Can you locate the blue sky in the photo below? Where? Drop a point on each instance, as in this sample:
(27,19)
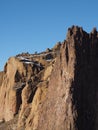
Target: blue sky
(34,25)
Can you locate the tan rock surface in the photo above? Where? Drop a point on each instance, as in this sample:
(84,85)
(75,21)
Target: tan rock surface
(53,90)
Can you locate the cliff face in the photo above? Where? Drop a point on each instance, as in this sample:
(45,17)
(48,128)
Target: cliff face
(54,90)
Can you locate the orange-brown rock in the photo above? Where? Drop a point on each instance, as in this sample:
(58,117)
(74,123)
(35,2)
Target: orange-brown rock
(53,90)
(14,78)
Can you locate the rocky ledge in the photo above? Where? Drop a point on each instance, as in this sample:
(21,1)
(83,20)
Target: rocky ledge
(53,90)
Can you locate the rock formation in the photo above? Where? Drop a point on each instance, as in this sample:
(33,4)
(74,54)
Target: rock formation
(53,90)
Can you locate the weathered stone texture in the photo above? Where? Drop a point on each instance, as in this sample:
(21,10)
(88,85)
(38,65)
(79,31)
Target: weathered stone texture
(56,89)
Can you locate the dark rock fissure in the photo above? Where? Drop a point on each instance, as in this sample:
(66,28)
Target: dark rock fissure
(67,55)
(32,94)
(19,101)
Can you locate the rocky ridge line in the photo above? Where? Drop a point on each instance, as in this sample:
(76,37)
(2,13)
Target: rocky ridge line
(53,90)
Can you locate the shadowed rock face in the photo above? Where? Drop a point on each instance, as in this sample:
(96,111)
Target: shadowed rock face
(53,90)
(85,79)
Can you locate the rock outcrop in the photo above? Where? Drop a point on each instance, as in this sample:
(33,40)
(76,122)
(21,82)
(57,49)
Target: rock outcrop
(53,90)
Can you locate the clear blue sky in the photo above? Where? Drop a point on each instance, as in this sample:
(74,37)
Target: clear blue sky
(34,25)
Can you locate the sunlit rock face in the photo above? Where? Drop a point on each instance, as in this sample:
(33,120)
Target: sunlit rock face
(53,90)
